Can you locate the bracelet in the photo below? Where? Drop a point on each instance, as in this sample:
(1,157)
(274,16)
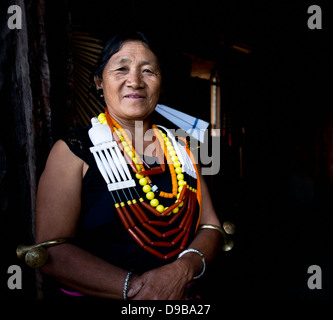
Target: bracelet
(228,229)
(125,288)
(202,259)
(36,255)
(212,227)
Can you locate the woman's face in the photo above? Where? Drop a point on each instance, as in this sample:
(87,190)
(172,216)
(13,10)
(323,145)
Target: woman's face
(131,82)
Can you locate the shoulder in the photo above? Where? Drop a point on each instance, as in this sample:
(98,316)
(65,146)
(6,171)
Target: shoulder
(62,156)
(78,142)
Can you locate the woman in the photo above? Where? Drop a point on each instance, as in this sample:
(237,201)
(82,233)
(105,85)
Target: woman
(104,259)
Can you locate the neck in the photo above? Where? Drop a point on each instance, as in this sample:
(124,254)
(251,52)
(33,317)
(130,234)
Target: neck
(139,132)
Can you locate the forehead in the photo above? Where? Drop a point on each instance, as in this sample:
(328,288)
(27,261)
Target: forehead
(134,51)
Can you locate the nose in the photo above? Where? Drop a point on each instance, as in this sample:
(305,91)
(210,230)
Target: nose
(134,79)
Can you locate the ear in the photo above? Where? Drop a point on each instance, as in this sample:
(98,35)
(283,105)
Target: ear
(98,82)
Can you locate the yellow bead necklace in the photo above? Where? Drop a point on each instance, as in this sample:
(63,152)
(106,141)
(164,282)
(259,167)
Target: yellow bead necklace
(175,167)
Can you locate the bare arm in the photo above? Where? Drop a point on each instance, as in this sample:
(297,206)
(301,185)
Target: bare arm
(58,209)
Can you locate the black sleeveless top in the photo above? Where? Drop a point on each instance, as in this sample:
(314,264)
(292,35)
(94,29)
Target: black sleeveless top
(100,230)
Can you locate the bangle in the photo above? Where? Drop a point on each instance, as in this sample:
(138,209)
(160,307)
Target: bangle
(125,288)
(212,227)
(228,229)
(202,259)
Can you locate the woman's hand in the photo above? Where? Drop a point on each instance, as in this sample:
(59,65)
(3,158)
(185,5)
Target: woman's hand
(164,283)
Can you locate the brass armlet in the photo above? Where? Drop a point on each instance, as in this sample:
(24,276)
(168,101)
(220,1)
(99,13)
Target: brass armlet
(36,255)
(228,228)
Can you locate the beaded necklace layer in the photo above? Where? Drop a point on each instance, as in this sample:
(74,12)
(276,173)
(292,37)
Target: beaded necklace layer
(151,213)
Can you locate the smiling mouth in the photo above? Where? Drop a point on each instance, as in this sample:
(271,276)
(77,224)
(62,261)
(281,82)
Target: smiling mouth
(134,96)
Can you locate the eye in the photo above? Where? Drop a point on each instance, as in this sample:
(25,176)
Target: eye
(121,69)
(148,71)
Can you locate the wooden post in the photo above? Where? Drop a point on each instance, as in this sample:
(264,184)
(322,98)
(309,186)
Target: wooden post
(30,103)
(23,114)
(44,72)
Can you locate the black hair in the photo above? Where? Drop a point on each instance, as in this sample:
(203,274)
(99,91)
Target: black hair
(115,44)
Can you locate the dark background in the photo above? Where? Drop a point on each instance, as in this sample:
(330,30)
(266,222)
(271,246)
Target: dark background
(280,94)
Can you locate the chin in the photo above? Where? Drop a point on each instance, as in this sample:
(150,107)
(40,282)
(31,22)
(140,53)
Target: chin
(139,113)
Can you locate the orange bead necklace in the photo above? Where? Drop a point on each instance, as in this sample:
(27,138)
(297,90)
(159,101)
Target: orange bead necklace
(183,209)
